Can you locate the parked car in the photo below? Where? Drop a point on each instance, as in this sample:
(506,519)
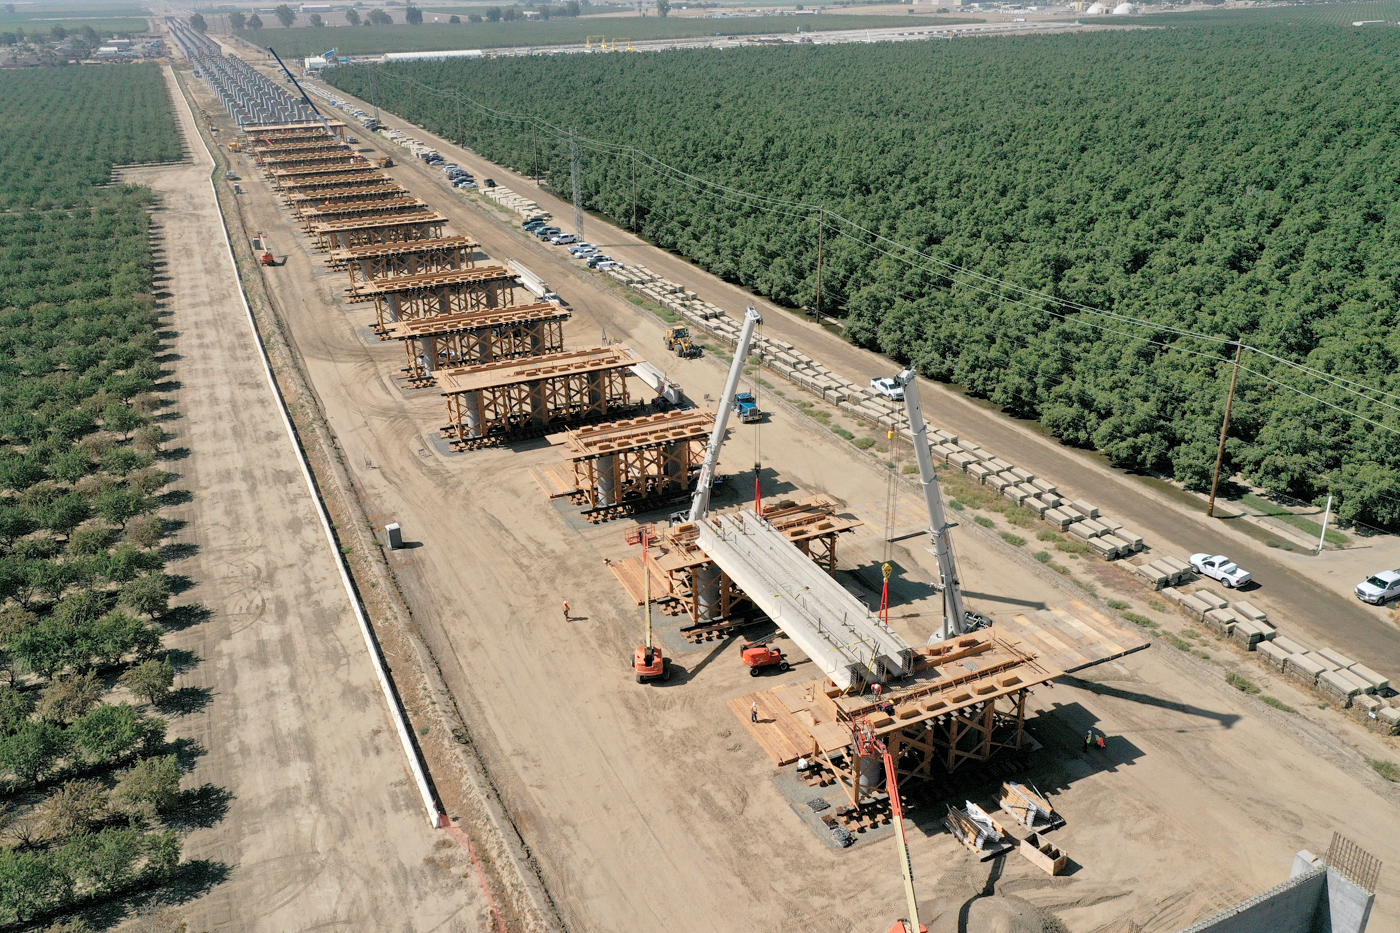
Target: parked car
(596,261)
(464,183)
(563,239)
(545,233)
(610,264)
(1380,588)
(889,388)
(582,248)
(535,219)
(1219,567)
(489,183)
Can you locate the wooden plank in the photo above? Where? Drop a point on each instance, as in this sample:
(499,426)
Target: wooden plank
(1101,633)
(555,480)
(777,732)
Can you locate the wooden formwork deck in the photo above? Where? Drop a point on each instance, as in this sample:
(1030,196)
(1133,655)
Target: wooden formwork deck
(1074,636)
(794,721)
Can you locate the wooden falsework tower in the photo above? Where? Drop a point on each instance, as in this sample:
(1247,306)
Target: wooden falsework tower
(525,398)
(454,341)
(314,160)
(630,466)
(391,260)
(344,234)
(429,294)
(362,210)
(283,177)
(678,562)
(306,184)
(303,202)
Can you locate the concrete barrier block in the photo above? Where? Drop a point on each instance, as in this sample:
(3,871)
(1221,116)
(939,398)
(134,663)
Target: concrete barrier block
(1132,537)
(1389,715)
(1291,646)
(1016,493)
(1109,523)
(1036,506)
(1024,476)
(1084,530)
(1335,685)
(1050,499)
(1153,576)
(1220,621)
(1369,706)
(1060,518)
(1246,634)
(1272,654)
(1377,682)
(1194,606)
(1247,610)
(1043,486)
(1266,628)
(1084,508)
(1104,547)
(1336,657)
(996,481)
(1302,669)
(1215,599)
(1322,661)
(1002,466)
(1093,528)
(979,471)
(962,460)
(943,437)
(943,451)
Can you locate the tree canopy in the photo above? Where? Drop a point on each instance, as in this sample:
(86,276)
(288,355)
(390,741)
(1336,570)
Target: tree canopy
(980,202)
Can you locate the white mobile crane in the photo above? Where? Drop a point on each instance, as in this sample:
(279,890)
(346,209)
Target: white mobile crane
(956,618)
(700,505)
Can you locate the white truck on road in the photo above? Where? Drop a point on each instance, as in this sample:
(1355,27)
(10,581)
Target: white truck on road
(1219,567)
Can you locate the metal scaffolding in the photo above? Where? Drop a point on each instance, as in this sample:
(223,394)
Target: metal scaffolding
(451,341)
(525,398)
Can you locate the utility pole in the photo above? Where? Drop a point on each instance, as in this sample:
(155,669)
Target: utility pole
(634,191)
(458,98)
(578,200)
(1224,427)
(535,145)
(1322,538)
(374,93)
(820,228)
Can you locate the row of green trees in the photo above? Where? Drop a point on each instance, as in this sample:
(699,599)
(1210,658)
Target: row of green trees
(87,778)
(1230,182)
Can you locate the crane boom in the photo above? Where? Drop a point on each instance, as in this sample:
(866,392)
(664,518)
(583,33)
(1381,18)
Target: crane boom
(905,865)
(700,505)
(954,613)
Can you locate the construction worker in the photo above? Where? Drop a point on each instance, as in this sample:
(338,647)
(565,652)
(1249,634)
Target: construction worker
(1089,739)
(753,712)
(566,610)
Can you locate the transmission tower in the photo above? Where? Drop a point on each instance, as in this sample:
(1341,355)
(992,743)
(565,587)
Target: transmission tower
(578,200)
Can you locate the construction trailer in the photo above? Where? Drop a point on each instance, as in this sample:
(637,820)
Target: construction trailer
(624,467)
(682,569)
(452,341)
(344,234)
(384,207)
(430,294)
(514,399)
(311,184)
(301,202)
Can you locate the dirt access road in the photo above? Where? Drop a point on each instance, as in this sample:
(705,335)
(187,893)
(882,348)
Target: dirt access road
(324,826)
(1310,595)
(651,807)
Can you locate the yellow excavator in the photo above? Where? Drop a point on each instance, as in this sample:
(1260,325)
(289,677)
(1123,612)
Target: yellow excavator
(386,162)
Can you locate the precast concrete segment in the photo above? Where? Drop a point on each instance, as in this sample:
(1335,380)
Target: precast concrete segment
(833,628)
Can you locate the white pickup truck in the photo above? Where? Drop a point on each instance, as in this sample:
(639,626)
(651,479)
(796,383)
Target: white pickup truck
(1219,567)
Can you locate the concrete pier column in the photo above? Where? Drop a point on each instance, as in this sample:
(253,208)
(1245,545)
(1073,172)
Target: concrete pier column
(607,479)
(392,300)
(707,591)
(471,405)
(427,346)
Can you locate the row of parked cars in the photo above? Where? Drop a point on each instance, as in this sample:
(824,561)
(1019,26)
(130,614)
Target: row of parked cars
(589,253)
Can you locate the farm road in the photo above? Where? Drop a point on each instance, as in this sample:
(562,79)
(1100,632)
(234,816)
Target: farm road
(324,826)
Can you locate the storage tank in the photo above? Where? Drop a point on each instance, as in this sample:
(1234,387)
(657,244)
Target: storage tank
(1098,9)
(1125,9)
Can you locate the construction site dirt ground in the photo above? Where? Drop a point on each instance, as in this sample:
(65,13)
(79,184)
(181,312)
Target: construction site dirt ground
(650,807)
(287,737)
